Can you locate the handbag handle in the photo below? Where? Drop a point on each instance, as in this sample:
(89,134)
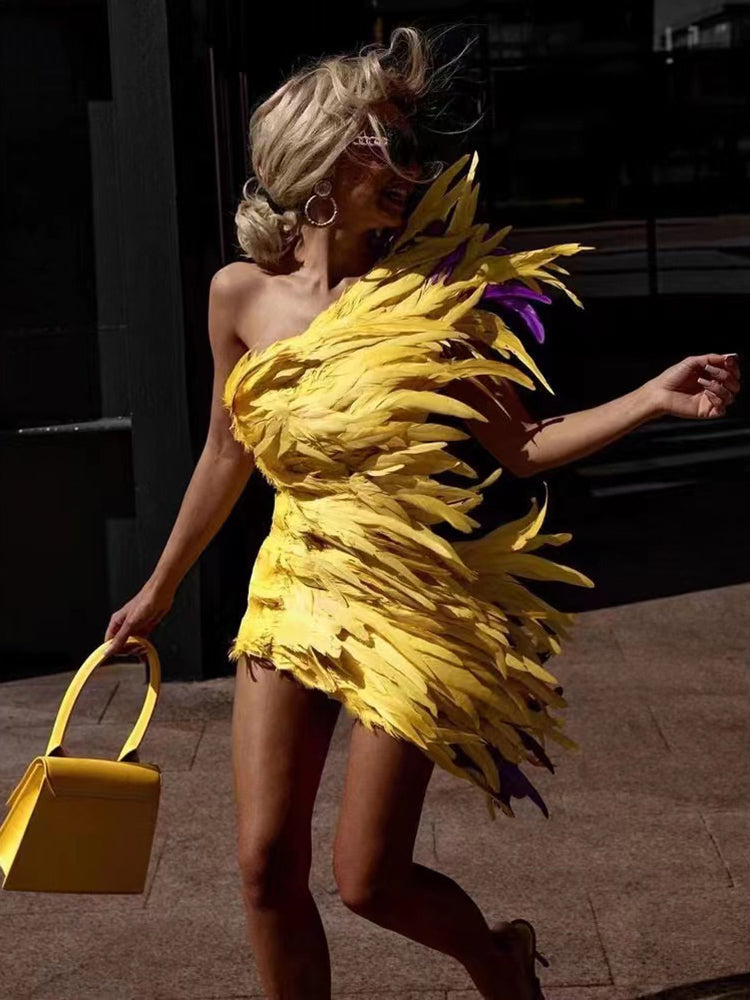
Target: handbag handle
(82,675)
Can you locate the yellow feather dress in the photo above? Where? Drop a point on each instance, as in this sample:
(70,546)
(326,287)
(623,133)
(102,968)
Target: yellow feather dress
(352,591)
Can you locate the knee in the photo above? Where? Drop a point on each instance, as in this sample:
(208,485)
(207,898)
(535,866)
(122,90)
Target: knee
(362,895)
(363,888)
(272,871)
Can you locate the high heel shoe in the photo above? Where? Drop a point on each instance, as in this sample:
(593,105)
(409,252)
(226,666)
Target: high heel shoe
(528,929)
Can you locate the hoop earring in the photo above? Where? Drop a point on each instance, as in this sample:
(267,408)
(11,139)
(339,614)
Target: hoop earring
(321,189)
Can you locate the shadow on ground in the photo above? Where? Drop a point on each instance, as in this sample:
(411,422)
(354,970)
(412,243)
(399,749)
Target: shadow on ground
(725,988)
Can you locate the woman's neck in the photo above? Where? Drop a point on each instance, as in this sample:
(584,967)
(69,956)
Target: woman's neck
(326,255)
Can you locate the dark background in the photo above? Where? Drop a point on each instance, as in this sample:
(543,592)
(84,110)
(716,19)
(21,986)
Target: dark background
(621,125)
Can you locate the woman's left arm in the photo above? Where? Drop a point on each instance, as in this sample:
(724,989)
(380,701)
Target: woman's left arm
(697,387)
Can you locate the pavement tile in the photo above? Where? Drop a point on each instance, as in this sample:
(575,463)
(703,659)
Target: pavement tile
(40,950)
(680,936)
(703,724)
(729,830)
(587,993)
(390,995)
(724,614)
(671,779)
(630,658)
(171,745)
(591,656)
(591,839)
(106,673)
(196,874)
(380,995)
(710,737)
(644,636)
(164,956)
(194,806)
(178,701)
(631,841)
(672,616)
(661,674)
(606,724)
(707,623)
(37,702)
(561,993)
(215,747)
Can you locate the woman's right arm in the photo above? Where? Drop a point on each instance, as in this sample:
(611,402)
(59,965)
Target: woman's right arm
(220,475)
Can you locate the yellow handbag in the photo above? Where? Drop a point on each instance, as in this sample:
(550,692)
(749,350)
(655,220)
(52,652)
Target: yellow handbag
(84,824)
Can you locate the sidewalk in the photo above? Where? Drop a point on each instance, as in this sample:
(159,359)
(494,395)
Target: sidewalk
(639,881)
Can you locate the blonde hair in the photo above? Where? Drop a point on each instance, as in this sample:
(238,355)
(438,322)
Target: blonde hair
(297,134)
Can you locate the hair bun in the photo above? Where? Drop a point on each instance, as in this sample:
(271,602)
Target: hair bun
(264,229)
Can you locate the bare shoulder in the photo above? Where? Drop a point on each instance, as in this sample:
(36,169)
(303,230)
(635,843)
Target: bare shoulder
(236,279)
(234,295)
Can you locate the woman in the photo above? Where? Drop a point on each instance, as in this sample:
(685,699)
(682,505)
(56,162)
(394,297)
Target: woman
(354,321)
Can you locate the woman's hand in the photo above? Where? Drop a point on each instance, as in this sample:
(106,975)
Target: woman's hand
(697,387)
(139,616)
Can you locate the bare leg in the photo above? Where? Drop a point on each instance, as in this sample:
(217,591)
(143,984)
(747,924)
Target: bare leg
(281,732)
(383,796)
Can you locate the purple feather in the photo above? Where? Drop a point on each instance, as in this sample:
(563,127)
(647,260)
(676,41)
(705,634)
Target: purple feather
(515,289)
(514,783)
(446,265)
(525,312)
(453,258)
(511,295)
